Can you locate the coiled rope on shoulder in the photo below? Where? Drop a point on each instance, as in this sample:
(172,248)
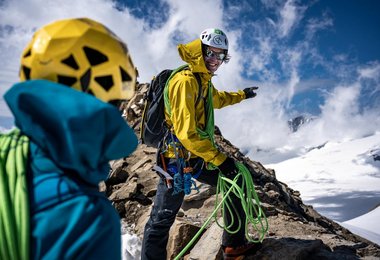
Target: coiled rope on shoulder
(14,206)
(256,220)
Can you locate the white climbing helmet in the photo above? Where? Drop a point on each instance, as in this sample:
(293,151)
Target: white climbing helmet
(215,38)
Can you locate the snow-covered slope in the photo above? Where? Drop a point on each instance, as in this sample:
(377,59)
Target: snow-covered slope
(341,180)
(366,225)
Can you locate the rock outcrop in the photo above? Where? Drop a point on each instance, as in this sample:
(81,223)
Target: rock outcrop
(296,230)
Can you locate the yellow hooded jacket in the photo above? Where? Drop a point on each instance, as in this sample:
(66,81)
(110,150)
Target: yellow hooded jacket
(185,117)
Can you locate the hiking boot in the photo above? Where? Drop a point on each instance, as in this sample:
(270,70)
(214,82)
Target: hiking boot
(238,253)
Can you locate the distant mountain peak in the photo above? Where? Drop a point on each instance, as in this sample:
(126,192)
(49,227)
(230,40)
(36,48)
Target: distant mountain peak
(295,123)
(375,154)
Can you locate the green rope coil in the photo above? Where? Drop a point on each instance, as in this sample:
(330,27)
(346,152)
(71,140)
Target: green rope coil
(14,206)
(250,202)
(255,217)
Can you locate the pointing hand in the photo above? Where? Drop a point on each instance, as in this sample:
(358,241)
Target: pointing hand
(250,92)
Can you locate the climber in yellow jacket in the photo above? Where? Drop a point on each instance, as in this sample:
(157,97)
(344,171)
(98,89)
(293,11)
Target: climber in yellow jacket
(183,91)
(189,148)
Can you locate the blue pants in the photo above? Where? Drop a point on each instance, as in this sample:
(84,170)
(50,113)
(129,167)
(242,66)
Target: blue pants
(163,214)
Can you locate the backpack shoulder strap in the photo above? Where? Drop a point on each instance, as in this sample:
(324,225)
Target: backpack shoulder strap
(166,91)
(198,77)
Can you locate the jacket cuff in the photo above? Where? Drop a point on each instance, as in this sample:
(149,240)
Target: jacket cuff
(219,159)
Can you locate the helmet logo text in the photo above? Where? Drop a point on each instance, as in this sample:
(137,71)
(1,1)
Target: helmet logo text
(217,40)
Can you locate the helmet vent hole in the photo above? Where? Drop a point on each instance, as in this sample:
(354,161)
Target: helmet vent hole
(28,53)
(66,80)
(124,75)
(85,80)
(94,57)
(26,71)
(105,81)
(70,61)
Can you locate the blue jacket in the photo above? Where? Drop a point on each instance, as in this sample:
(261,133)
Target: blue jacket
(73,137)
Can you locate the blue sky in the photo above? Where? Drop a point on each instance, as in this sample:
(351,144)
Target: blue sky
(319,58)
(345,34)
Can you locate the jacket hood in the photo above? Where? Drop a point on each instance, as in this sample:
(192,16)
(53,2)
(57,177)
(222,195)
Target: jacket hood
(77,131)
(191,53)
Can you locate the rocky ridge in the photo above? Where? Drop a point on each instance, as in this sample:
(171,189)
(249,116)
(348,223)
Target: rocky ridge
(296,230)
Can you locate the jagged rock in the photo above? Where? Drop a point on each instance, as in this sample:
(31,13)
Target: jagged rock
(149,150)
(296,193)
(118,174)
(127,191)
(208,247)
(292,248)
(273,194)
(296,230)
(205,191)
(151,193)
(180,235)
(135,210)
(140,163)
(181,213)
(139,225)
(271,187)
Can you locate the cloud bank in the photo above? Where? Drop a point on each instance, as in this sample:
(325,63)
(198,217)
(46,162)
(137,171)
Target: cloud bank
(273,44)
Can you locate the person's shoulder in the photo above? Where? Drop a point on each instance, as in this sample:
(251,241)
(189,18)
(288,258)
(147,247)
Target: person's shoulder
(183,81)
(185,75)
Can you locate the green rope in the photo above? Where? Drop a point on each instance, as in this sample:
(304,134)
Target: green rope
(166,88)
(255,217)
(14,206)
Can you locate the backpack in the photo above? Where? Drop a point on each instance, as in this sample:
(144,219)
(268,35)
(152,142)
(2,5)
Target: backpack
(153,126)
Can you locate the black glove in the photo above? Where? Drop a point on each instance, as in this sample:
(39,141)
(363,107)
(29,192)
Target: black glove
(228,168)
(250,92)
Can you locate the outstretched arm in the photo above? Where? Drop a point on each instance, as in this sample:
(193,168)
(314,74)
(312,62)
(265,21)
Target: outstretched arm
(222,98)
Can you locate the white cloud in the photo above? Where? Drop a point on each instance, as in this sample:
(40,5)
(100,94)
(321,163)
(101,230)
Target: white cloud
(370,71)
(258,51)
(370,74)
(13,40)
(341,119)
(342,102)
(290,60)
(290,15)
(258,122)
(260,56)
(314,25)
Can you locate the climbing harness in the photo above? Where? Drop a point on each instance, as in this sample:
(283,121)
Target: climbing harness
(14,206)
(256,220)
(178,175)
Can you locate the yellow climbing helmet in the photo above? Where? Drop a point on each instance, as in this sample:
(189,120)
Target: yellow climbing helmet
(83,54)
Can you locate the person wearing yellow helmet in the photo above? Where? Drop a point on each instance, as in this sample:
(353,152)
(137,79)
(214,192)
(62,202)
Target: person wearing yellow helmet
(190,145)
(82,54)
(72,73)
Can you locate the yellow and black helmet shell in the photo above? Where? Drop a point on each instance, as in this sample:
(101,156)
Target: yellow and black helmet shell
(83,54)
